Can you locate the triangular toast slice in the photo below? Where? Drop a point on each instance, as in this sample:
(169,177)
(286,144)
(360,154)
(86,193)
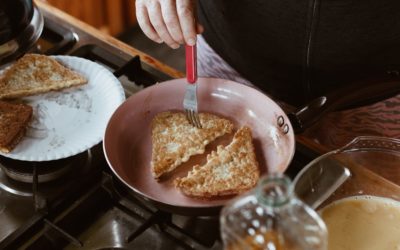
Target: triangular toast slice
(174,139)
(34,74)
(14,119)
(229,170)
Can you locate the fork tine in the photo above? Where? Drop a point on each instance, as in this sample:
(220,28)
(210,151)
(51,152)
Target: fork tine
(197,120)
(193,118)
(192,121)
(188,113)
(188,117)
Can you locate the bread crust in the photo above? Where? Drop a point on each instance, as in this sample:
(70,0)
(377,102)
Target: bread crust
(174,139)
(14,119)
(35,74)
(229,170)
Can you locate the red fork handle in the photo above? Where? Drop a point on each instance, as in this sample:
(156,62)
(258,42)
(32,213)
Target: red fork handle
(191,63)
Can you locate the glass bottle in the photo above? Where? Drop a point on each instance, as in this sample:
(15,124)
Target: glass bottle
(271,217)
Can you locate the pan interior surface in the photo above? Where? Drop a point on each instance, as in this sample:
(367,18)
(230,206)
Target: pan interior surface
(127,141)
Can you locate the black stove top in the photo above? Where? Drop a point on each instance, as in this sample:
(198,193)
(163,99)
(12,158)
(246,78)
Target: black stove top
(77,203)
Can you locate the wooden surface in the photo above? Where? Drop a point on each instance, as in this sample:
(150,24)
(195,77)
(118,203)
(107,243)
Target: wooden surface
(336,129)
(111,16)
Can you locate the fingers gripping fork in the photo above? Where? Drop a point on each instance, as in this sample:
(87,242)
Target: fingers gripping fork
(190,99)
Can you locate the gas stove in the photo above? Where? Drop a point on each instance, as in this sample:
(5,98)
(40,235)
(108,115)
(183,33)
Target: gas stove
(76,203)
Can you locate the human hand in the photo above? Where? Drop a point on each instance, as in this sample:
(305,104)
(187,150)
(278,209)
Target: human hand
(169,21)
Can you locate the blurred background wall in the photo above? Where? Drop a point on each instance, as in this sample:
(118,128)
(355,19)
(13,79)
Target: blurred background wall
(110,16)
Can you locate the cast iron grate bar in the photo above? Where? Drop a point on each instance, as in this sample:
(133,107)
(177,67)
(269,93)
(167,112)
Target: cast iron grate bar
(178,241)
(38,200)
(158,218)
(66,235)
(163,220)
(119,192)
(63,38)
(99,54)
(117,199)
(23,232)
(134,69)
(206,243)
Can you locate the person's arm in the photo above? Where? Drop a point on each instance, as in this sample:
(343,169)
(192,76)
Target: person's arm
(169,21)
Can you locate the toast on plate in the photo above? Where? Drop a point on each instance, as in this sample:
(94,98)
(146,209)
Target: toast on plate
(174,139)
(229,170)
(34,74)
(14,118)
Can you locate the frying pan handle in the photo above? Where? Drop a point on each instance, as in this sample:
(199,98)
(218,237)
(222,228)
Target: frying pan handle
(350,96)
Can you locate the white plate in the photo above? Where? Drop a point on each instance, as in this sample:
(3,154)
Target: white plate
(73,120)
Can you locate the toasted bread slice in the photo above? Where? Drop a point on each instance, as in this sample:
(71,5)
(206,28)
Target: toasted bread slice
(229,170)
(33,74)
(14,119)
(175,140)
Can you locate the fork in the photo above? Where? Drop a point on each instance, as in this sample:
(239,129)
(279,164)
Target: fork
(190,99)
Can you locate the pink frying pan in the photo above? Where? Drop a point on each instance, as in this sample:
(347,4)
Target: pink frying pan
(127,140)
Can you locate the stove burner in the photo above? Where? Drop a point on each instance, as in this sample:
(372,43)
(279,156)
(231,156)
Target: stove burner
(23,171)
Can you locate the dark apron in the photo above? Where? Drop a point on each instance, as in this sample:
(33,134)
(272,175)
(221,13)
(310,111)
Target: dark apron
(298,50)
